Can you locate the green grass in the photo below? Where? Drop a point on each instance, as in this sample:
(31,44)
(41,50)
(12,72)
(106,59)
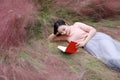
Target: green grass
(67,14)
(34,61)
(49,13)
(95,69)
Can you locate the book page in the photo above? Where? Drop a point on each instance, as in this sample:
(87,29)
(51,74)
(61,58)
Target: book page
(62,48)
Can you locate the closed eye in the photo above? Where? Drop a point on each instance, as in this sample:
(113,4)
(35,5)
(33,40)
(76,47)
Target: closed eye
(63,29)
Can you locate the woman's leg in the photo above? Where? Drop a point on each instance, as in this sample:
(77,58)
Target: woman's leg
(106,49)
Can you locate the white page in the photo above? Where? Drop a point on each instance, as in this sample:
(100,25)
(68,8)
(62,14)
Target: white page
(62,48)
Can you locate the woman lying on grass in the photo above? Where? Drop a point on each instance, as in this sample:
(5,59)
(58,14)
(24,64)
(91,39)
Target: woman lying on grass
(98,44)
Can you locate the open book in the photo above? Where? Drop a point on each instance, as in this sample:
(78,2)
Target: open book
(71,48)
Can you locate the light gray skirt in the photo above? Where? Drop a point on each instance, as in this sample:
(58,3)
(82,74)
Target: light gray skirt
(105,48)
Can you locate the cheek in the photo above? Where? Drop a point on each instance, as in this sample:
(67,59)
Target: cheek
(64,32)
(60,29)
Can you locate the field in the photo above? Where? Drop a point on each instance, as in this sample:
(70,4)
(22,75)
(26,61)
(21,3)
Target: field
(28,55)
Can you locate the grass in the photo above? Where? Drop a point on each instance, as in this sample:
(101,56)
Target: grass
(33,61)
(108,23)
(95,70)
(67,14)
(48,56)
(49,13)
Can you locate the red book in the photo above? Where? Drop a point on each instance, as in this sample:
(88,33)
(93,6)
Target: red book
(71,48)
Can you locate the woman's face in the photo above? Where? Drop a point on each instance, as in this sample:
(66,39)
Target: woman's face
(63,30)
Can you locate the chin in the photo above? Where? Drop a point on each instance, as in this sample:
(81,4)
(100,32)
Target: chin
(67,35)
(64,35)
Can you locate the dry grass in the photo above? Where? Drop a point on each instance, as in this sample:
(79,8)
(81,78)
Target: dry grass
(41,60)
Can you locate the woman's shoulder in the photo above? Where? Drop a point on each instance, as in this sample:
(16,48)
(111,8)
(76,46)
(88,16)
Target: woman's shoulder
(78,23)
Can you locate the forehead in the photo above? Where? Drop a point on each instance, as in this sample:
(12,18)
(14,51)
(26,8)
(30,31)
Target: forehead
(61,27)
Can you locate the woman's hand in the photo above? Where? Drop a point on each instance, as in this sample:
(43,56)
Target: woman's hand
(51,37)
(80,44)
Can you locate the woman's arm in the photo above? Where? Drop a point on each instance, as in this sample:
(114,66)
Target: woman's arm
(53,37)
(90,30)
(89,36)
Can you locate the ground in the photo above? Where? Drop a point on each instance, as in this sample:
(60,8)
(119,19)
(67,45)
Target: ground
(39,59)
(79,66)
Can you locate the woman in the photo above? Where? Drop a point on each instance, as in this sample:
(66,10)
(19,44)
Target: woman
(100,45)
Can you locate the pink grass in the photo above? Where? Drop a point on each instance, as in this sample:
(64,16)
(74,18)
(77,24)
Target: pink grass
(97,8)
(15,15)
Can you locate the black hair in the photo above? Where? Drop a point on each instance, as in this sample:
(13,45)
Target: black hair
(56,26)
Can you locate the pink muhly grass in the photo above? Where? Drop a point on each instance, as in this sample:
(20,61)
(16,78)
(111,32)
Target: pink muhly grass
(15,15)
(11,71)
(98,9)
